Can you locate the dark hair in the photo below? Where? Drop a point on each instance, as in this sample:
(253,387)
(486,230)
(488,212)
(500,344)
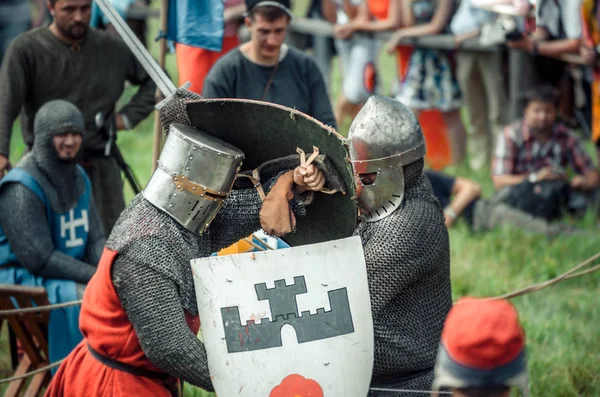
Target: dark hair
(483,391)
(270,13)
(543,93)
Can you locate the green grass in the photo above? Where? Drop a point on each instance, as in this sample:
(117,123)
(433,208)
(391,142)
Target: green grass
(562,322)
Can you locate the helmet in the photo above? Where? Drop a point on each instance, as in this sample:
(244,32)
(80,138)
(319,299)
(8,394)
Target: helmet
(384,136)
(195,174)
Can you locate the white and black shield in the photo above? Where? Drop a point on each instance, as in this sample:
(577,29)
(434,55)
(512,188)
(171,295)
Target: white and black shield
(289,322)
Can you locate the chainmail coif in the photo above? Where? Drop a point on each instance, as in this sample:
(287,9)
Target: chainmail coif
(408,266)
(59,178)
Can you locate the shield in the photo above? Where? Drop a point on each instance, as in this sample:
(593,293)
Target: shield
(289,322)
(264,132)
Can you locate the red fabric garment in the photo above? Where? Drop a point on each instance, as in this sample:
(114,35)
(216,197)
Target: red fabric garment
(106,328)
(194,63)
(379,8)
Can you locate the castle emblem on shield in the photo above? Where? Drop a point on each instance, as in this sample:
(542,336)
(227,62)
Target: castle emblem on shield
(284,310)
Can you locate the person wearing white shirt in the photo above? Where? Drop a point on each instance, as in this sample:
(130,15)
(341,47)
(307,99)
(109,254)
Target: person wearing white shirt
(358,60)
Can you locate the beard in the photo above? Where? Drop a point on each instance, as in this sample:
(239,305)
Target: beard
(544,131)
(75,31)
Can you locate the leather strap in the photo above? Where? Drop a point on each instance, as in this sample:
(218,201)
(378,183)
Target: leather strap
(136,371)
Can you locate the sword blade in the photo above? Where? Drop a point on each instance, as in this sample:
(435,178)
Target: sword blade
(164,84)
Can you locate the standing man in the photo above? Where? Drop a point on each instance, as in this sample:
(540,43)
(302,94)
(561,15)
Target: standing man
(405,243)
(266,69)
(89,68)
(50,232)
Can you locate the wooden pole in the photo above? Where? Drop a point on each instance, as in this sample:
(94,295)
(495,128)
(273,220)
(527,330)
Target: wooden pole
(157,141)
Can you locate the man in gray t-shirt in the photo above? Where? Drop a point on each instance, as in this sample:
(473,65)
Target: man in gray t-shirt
(268,70)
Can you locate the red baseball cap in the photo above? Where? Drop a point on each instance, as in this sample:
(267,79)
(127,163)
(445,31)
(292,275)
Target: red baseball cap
(483,345)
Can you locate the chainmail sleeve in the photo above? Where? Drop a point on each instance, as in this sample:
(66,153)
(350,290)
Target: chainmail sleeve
(239,216)
(23,220)
(153,305)
(96,237)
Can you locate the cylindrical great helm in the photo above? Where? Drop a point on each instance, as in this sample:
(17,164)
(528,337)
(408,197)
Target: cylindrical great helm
(195,174)
(384,137)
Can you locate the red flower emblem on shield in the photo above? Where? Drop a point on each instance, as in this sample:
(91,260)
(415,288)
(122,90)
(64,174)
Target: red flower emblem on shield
(297,386)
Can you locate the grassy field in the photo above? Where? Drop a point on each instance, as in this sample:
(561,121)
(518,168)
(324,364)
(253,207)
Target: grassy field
(562,322)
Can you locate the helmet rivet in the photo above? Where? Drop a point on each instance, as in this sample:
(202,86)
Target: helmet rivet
(178,186)
(202,195)
(183,177)
(191,158)
(187,168)
(175,179)
(170,205)
(194,188)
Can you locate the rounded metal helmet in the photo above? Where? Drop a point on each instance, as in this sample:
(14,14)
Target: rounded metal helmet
(195,174)
(384,136)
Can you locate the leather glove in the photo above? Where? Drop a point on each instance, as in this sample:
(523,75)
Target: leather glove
(276,216)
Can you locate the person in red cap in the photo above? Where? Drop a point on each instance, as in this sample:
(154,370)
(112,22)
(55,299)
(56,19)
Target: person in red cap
(482,351)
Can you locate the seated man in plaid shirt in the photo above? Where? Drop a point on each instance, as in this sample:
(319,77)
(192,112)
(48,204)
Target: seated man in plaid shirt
(532,157)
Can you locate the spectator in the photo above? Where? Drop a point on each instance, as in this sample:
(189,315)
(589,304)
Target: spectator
(50,232)
(266,69)
(429,82)
(457,196)
(481,82)
(462,197)
(16,18)
(68,60)
(589,52)
(558,32)
(357,57)
(532,156)
(194,63)
(136,23)
(323,49)
(482,350)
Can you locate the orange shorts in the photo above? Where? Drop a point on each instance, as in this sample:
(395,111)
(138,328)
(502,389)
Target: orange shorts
(194,63)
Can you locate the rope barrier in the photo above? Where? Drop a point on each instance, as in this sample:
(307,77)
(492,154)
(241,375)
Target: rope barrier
(28,374)
(429,392)
(572,273)
(565,276)
(36,309)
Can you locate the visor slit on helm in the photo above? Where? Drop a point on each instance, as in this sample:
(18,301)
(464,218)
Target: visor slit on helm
(196,214)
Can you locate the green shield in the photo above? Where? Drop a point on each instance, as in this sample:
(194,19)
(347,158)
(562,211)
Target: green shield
(264,132)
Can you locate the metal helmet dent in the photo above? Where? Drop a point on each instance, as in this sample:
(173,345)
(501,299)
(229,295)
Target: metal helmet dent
(195,174)
(384,136)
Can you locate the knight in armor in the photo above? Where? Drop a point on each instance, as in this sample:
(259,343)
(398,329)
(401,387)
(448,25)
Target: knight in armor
(405,243)
(139,313)
(50,232)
